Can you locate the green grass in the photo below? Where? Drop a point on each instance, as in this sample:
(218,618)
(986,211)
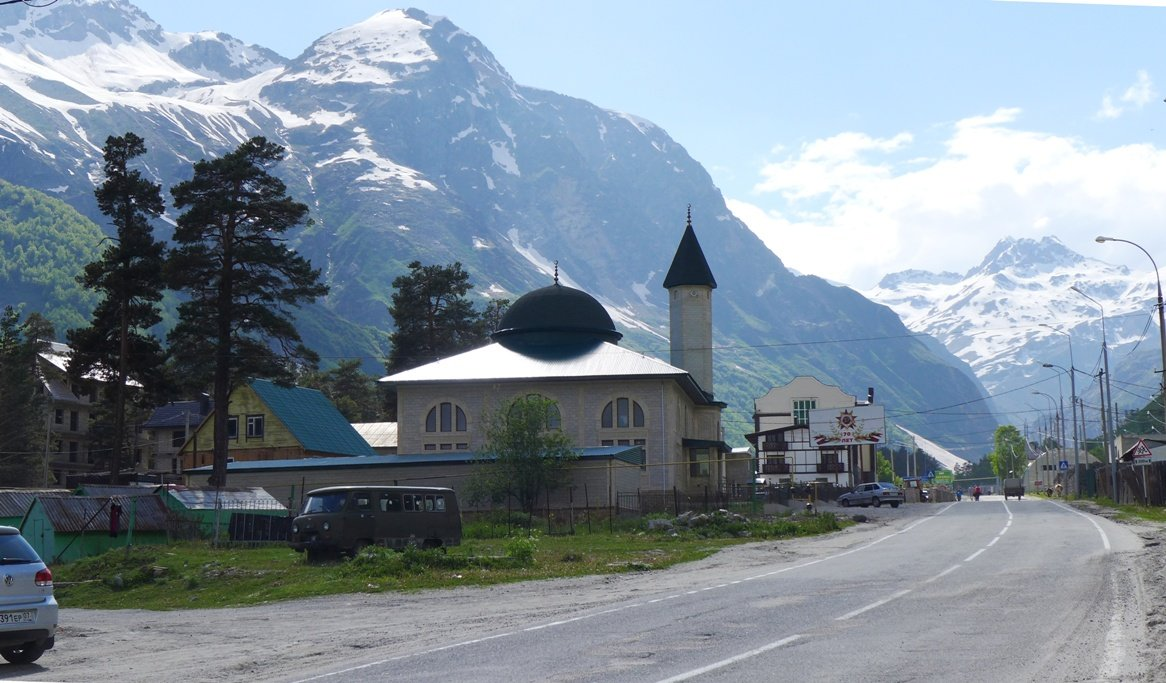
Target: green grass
(1129,512)
(195,574)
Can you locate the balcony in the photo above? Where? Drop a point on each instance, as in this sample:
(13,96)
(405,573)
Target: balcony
(775,468)
(829,468)
(774,446)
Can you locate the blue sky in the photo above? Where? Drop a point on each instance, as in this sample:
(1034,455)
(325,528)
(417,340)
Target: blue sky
(856,138)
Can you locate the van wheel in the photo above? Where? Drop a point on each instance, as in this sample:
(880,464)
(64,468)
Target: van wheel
(894,505)
(23,655)
(360,545)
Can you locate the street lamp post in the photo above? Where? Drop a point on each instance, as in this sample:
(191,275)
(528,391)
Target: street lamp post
(1073,402)
(1108,396)
(1161,319)
(1053,429)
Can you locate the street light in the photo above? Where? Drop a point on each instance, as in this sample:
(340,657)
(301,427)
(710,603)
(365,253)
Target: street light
(1107,395)
(1048,456)
(1161,320)
(1073,402)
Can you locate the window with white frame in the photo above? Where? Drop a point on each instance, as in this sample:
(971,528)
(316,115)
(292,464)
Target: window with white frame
(802,408)
(254,426)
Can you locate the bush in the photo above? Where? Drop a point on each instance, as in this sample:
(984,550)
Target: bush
(520,548)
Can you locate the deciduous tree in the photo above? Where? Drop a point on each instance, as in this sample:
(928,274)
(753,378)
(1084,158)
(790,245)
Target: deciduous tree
(525,453)
(1009,453)
(233,261)
(117,346)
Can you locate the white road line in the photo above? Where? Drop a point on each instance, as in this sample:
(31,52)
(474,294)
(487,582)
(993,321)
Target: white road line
(652,601)
(873,605)
(943,573)
(1104,538)
(731,660)
(974,555)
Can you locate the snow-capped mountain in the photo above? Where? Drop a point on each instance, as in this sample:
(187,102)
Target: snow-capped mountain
(409,141)
(1016,311)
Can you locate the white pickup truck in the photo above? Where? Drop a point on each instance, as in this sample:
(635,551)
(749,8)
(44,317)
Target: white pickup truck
(1013,487)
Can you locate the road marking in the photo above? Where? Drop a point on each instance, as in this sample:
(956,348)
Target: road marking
(1104,538)
(943,573)
(731,660)
(877,603)
(621,608)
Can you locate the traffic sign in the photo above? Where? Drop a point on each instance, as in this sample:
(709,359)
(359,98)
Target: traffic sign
(1063,465)
(1142,454)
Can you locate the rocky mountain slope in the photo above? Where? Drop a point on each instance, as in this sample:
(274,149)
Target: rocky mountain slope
(410,141)
(1016,311)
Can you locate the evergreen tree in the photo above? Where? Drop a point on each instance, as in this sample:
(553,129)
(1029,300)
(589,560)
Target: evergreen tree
(433,317)
(232,261)
(117,346)
(22,402)
(353,392)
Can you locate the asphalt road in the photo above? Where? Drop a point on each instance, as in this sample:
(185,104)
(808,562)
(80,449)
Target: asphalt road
(988,590)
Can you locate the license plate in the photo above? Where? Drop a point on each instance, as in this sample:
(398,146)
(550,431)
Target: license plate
(27,616)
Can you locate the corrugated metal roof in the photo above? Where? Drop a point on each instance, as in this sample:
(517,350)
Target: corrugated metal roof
(377,434)
(107,490)
(91,513)
(312,419)
(15,502)
(631,454)
(496,362)
(204,499)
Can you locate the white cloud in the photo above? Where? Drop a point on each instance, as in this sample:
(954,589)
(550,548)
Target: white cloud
(1135,96)
(853,208)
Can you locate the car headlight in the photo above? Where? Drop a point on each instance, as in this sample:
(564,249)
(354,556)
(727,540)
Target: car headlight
(295,528)
(327,526)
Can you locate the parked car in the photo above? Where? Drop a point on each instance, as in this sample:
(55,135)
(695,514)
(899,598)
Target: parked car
(28,610)
(875,493)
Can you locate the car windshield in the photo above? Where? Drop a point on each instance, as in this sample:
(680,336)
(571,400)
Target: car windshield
(325,502)
(15,550)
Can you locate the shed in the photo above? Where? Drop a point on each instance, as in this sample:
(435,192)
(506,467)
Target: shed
(246,506)
(66,528)
(15,502)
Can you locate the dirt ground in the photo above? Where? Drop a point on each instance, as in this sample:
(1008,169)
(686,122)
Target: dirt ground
(292,640)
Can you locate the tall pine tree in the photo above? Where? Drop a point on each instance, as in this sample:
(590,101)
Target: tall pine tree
(233,263)
(22,403)
(117,346)
(433,317)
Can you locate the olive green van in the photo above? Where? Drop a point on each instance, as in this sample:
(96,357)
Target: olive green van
(344,519)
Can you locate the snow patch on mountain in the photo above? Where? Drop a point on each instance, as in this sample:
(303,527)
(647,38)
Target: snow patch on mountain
(1016,311)
(382,49)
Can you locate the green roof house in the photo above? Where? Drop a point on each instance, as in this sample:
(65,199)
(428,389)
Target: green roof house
(271,422)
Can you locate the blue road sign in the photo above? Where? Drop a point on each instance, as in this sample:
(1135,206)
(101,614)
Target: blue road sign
(1063,465)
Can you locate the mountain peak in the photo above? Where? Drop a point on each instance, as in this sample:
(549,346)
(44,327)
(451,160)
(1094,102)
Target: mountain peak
(113,45)
(1027,257)
(389,47)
